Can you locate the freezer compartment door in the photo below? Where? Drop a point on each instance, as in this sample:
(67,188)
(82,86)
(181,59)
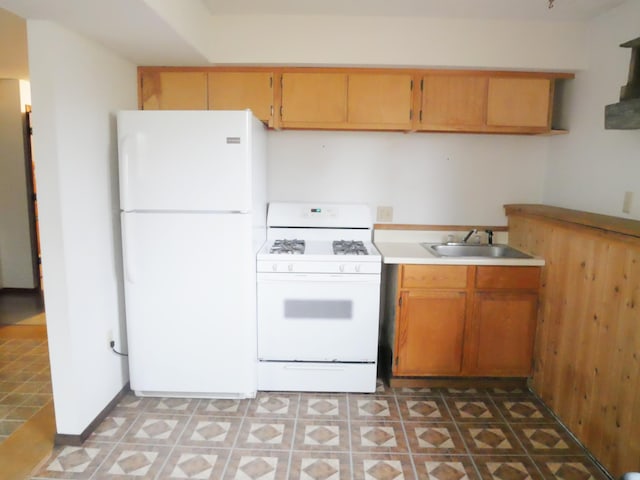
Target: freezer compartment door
(185,160)
(190,303)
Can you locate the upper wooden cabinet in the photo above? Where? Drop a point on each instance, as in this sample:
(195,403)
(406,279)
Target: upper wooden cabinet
(173,90)
(380,101)
(485,103)
(452,102)
(314,100)
(346,101)
(362,98)
(242,90)
(519,102)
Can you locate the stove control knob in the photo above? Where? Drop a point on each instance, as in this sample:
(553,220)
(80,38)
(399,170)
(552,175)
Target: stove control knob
(290,267)
(358,268)
(341,268)
(274,267)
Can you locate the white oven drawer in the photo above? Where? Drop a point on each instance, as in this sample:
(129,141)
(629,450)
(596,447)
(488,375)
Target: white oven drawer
(317,377)
(318,318)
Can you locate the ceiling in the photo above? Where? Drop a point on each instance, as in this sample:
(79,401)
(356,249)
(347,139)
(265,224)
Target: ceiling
(563,10)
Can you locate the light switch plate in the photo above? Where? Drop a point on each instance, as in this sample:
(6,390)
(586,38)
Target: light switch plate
(385,214)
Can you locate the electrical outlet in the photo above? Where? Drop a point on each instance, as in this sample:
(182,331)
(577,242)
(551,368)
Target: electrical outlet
(384,214)
(626,203)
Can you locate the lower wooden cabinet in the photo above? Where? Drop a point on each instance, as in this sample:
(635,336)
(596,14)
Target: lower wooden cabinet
(501,333)
(465,320)
(432,322)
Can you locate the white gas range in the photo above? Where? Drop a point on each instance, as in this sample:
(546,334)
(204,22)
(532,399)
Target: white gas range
(318,299)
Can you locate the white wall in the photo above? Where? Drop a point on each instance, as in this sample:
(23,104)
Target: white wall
(427,178)
(397,41)
(77,86)
(16,263)
(591,168)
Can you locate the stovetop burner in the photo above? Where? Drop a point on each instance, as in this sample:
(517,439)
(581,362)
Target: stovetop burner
(291,247)
(349,247)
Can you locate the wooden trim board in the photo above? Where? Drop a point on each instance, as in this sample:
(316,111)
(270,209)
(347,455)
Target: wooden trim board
(437,228)
(625,226)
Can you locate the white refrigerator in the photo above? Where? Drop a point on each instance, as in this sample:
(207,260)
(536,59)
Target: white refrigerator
(193,213)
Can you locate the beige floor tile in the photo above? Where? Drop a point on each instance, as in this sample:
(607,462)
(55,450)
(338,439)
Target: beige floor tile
(319,466)
(274,405)
(490,439)
(323,406)
(383,467)
(210,431)
(378,436)
(445,467)
(266,434)
(424,409)
(321,435)
(257,465)
(194,462)
(507,468)
(372,407)
(227,407)
(155,429)
(434,438)
(133,461)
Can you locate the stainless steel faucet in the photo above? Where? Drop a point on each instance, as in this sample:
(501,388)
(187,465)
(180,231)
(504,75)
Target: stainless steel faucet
(468,235)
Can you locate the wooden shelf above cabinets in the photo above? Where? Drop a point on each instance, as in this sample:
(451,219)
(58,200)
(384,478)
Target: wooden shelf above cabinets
(464,101)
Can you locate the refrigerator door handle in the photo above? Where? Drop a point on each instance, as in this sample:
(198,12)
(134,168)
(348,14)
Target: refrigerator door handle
(125,173)
(126,250)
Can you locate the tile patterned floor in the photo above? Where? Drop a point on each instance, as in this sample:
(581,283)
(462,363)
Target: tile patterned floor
(25,381)
(441,434)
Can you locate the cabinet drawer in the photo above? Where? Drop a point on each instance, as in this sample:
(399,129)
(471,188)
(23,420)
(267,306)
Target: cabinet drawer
(433,276)
(510,278)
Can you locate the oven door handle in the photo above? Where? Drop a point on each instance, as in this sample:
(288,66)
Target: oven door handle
(316,367)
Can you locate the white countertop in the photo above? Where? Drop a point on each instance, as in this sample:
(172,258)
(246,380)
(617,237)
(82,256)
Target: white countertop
(397,247)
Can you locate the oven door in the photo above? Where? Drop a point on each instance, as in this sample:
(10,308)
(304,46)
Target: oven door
(318,317)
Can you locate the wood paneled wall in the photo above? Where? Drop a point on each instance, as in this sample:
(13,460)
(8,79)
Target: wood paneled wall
(587,354)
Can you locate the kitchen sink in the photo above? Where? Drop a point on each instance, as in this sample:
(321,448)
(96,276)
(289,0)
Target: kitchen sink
(473,250)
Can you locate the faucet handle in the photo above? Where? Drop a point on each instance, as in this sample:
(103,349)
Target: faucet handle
(489,236)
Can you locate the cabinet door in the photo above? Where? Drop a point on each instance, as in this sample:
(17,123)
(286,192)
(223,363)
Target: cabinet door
(242,90)
(314,100)
(519,102)
(453,102)
(502,334)
(379,101)
(174,90)
(430,333)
